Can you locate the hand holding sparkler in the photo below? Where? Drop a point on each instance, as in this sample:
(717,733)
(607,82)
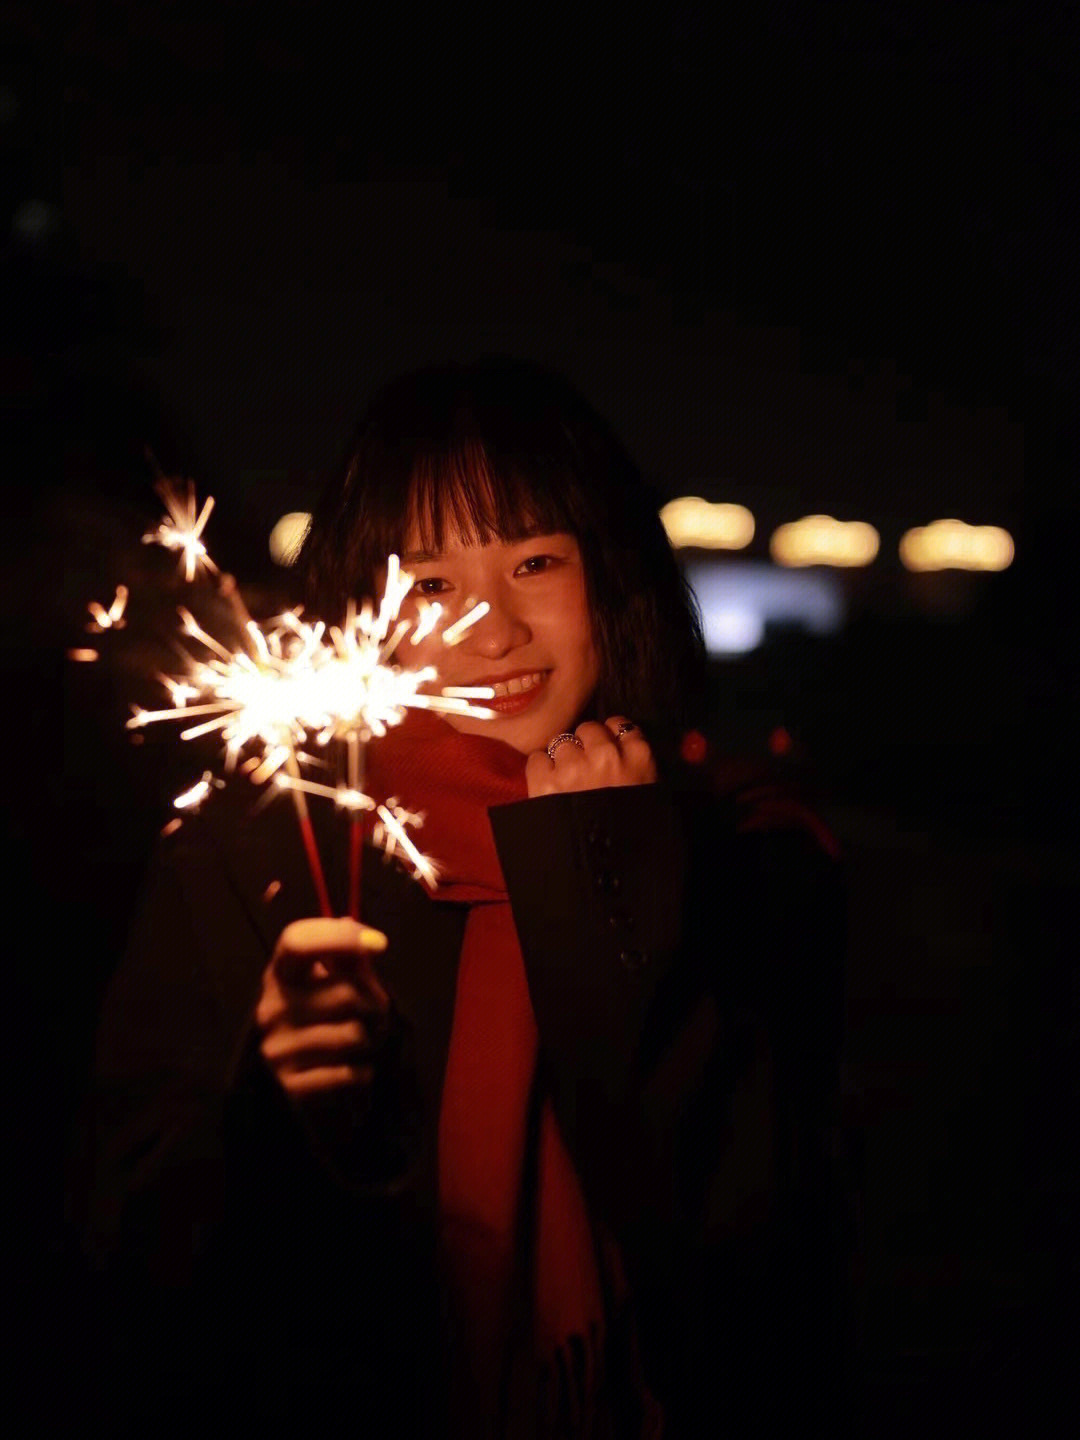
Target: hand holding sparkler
(322,1008)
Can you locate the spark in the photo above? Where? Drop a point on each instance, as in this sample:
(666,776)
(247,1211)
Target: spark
(181,529)
(390,833)
(193,798)
(111,619)
(454,633)
(429,618)
(343,797)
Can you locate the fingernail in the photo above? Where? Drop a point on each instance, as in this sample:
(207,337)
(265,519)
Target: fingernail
(371,938)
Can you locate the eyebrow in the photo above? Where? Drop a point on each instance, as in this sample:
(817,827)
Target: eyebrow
(421,557)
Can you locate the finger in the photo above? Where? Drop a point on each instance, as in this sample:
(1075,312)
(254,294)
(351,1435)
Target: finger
(310,1005)
(613,722)
(357,970)
(330,942)
(630,737)
(539,773)
(327,1077)
(634,748)
(317,937)
(335,1001)
(596,738)
(567,752)
(353,969)
(315,1044)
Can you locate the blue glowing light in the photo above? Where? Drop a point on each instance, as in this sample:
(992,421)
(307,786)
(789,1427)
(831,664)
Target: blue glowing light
(739,599)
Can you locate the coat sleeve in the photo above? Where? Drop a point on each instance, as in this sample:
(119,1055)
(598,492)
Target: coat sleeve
(202,1223)
(171,1040)
(178,1086)
(685,962)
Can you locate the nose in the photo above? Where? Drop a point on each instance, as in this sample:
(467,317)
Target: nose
(498,632)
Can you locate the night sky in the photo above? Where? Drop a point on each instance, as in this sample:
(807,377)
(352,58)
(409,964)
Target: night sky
(272,211)
(817,258)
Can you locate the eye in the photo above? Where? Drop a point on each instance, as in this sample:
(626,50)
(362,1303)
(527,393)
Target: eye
(429,585)
(536,565)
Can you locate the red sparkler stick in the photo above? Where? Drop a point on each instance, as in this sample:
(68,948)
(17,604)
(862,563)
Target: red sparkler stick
(314,863)
(356,826)
(356,850)
(307,834)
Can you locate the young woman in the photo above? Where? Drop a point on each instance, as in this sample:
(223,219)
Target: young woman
(543,1150)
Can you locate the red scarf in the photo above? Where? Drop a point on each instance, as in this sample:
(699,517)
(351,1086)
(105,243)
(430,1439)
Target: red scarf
(483,1125)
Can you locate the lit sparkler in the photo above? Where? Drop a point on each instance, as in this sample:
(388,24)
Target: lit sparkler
(297,683)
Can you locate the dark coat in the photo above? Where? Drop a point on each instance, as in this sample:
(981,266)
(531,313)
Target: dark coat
(686,973)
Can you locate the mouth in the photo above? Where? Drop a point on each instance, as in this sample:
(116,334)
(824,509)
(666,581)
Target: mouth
(517,694)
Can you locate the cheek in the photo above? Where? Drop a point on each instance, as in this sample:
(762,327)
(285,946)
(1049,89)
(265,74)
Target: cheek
(576,626)
(429,651)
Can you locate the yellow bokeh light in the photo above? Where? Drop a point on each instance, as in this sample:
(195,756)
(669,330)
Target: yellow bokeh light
(287,536)
(954,545)
(692,521)
(823,540)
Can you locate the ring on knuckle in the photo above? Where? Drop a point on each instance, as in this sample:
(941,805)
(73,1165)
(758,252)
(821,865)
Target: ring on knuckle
(562,739)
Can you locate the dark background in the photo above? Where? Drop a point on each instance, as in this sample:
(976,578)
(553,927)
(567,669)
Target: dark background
(811,261)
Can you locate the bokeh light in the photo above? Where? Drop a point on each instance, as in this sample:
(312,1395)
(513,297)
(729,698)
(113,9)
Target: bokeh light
(692,521)
(953,545)
(823,540)
(287,536)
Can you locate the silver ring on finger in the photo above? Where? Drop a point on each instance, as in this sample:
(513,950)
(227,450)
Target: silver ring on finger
(553,745)
(624,729)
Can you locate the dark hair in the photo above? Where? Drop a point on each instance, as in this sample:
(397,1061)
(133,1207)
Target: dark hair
(498,448)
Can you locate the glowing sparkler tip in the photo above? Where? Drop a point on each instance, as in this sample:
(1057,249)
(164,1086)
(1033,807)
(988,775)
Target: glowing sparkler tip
(454,633)
(193,798)
(353,800)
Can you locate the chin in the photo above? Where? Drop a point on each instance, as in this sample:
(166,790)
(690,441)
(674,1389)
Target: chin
(525,733)
(520,737)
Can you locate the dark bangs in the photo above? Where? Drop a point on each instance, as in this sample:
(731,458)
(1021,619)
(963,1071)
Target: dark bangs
(484,493)
(445,457)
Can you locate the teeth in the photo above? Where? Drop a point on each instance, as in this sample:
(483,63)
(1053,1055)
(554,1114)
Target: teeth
(518,684)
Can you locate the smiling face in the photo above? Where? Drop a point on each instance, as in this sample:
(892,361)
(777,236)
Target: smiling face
(535,644)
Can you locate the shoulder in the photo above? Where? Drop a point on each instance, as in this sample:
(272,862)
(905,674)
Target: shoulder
(767,890)
(757,844)
(742,796)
